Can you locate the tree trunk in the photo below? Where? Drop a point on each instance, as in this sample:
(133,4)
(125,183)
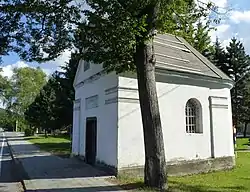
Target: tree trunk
(155,164)
(45,133)
(245,130)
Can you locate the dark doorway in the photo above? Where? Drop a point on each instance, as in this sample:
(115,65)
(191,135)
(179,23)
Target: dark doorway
(90,145)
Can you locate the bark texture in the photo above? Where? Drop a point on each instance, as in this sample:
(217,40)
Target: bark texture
(155,164)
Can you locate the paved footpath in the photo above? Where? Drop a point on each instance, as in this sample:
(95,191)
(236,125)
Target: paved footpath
(44,172)
(8,180)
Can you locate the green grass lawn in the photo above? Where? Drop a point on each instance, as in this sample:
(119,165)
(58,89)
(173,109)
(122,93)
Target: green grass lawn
(59,145)
(242,143)
(236,180)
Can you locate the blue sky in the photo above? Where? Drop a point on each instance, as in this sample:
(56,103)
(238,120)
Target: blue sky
(235,24)
(12,60)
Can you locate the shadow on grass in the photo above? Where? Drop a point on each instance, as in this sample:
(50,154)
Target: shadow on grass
(89,188)
(175,186)
(59,149)
(179,186)
(247,144)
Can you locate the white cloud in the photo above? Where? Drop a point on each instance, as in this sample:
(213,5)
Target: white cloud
(61,60)
(47,71)
(225,42)
(240,16)
(8,69)
(219,3)
(55,65)
(48,67)
(222,7)
(221,29)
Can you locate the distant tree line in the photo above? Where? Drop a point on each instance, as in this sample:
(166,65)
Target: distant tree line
(235,62)
(17,93)
(52,109)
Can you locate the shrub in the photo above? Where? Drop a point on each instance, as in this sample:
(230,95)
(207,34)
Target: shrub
(28,132)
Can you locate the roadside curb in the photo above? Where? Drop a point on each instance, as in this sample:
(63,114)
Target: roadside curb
(19,166)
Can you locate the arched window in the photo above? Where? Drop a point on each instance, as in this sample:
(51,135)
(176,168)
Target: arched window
(193,116)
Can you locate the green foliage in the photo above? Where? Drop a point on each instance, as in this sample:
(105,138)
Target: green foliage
(53,107)
(219,56)
(235,63)
(237,68)
(66,95)
(114,29)
(202,40)
(42,107)
(28,26)
(28,132)
(59,145)
(42,30)
(18,92)
(219,181)
(244,116)
(26,84)
(6,120)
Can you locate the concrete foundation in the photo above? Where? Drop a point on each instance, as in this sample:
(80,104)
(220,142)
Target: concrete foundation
(182,168)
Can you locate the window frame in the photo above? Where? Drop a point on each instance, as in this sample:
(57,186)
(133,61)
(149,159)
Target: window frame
(193,117)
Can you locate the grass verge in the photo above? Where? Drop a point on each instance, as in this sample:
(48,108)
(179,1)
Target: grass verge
(59,145)
(236,180)
(242,143)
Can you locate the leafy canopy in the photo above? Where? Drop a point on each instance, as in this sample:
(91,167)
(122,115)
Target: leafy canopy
(114,27)
(40,30)
(53,107)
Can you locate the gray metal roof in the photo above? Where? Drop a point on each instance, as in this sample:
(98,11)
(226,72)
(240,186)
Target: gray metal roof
(175,53)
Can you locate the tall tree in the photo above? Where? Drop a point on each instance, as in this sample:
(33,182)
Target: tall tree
(5,89)
(27,27)
(53,107)
(219,57)
(41,113)
(21,90)
(245,108)
(26,84)
(66,95)
(238,63)
(202,39)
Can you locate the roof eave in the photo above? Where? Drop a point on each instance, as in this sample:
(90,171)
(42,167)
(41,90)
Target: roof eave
(228,82)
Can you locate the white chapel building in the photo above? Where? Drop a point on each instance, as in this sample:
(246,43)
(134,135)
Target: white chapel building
(195,108)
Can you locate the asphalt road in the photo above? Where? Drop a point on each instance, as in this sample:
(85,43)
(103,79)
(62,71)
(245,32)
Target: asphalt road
(8,175)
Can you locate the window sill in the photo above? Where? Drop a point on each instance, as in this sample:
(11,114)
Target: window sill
(194,134)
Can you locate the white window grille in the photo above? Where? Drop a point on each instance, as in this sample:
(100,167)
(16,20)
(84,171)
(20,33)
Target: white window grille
(193,116)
